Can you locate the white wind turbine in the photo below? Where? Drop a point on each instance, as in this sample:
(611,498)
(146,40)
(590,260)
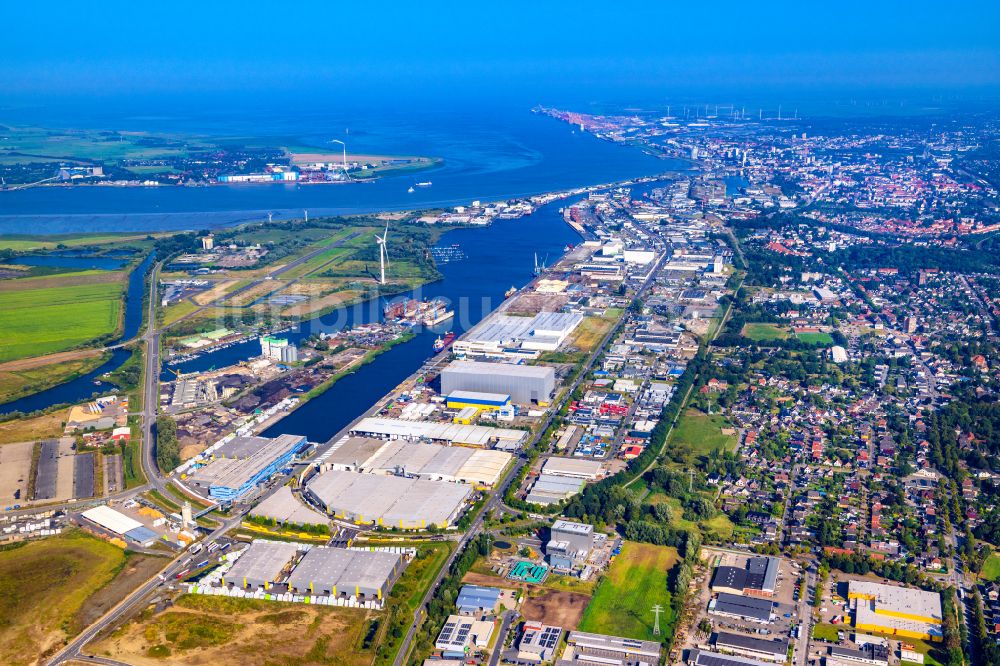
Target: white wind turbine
(382,252)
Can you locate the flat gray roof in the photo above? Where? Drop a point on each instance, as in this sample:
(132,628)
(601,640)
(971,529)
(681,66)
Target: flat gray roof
(355,451)
(262,562)
(347,571)
(777,646)
(284,507)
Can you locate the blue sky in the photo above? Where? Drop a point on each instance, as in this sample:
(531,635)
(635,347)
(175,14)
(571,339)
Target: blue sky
(528,50)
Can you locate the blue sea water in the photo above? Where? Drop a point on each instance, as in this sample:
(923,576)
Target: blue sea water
(488,154)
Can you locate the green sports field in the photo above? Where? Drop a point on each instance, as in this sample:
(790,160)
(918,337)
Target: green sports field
(763,331)
(51,319)
(815,338)
(991,568)
(636,582)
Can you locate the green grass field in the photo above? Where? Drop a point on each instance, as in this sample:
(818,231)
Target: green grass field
(635,582)
(702,432)
(991,568)
(761,331)
(28,243)
(51,319)
(63,572)
(815,338)
(827,632)
(18,383)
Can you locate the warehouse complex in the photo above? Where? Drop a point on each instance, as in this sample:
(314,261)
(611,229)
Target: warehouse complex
(425,461)
(315,571)
(585,648)
(500,335)
(339,572)
(242,463)
(285,509)
(441,433)
(391,501)
(751,609)
(261,565)
(706,658)
(775,649)
(561,478)
(121,525)
(896,611)
(758,578)
(525,384)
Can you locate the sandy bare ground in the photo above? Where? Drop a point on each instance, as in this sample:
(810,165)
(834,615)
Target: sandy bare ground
(561,609)
(15,467)
(209,295)
(272,633)
(39,361)
(40,427)
(316,304)
(553,607)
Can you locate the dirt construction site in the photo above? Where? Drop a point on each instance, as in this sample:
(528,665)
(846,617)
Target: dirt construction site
(555,607)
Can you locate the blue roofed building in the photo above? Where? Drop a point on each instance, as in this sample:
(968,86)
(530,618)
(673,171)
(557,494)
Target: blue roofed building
(142,536)
(475,599)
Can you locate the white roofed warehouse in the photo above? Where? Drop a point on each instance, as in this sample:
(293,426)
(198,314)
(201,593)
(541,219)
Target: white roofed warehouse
(507,439)
(389,501)
(524,384)
(502,335)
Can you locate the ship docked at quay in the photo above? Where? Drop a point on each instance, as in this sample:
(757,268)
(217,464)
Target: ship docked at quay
(412,312)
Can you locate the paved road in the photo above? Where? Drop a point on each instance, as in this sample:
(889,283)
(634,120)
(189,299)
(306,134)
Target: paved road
(151,388)
(801,656)
(509,617)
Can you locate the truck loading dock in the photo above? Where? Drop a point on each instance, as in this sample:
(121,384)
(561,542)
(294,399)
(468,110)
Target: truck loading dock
(339,572)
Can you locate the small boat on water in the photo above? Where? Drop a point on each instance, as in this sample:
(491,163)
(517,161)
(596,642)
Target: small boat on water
(425,183)
(440,344)
(510,292)
(411,190)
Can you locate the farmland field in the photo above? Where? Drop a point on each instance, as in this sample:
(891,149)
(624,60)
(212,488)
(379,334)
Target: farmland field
(635,582)
(53,318)
(762,331)
(64,572)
